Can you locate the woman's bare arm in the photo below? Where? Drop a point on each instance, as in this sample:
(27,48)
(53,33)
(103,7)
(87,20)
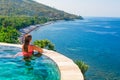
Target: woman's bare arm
(22,48)
(40,50)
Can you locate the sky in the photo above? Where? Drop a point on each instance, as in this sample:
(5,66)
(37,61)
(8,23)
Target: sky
(97,8)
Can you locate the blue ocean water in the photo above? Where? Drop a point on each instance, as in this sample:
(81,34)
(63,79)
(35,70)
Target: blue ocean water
(96,41)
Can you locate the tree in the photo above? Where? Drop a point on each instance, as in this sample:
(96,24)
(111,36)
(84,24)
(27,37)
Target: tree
(9,35)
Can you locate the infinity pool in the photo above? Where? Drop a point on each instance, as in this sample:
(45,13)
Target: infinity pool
(40,68)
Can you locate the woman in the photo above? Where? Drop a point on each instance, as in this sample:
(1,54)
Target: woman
(28,49)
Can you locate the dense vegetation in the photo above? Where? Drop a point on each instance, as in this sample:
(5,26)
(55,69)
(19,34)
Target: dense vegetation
(21,21)
(9,35)
(32,8)
(9,26)
(44,44)
(17,14)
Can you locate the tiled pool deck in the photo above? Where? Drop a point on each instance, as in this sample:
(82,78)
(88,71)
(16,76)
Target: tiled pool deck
(68,69)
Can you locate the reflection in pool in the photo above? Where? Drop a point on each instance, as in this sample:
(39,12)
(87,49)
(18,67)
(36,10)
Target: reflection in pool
(41,68)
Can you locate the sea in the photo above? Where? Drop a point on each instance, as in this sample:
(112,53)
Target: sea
(94,40)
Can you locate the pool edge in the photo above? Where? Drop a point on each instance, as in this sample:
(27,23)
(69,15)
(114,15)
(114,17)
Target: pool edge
(68,69)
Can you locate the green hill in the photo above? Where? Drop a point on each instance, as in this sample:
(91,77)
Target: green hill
(32,8)
(17,14)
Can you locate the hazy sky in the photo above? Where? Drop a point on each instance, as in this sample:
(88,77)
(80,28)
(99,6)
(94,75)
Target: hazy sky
(105,8)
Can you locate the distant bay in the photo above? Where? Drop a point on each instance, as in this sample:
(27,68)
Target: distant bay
(96,41)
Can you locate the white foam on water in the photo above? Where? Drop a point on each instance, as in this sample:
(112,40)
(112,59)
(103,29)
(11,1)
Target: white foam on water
(73,49)
(107,26)
(57,29)
(11,63)
(101,32)
(6,56)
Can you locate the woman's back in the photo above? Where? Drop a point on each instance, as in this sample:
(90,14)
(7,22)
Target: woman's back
(27,49)
(30,51)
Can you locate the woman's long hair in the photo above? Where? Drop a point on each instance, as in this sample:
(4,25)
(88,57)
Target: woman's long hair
(26,42)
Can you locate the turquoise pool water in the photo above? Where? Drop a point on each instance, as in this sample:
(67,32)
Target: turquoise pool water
(41,68)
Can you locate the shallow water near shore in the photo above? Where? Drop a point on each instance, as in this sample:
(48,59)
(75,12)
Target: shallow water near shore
(96,41)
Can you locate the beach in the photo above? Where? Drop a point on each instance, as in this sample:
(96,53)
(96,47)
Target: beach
(30,28)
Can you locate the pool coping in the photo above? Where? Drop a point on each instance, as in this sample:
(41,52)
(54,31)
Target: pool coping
(68,69)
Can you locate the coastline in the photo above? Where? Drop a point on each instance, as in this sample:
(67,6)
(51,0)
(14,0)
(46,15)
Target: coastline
(30,28)
(64,68)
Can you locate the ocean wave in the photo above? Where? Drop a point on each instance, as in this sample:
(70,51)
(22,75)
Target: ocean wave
(99,26)
(57,29)
(101,32)
(93,25)
(13,63)
(107,26)
(96,25)
(73,49)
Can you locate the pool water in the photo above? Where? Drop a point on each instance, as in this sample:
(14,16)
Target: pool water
(40,68)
